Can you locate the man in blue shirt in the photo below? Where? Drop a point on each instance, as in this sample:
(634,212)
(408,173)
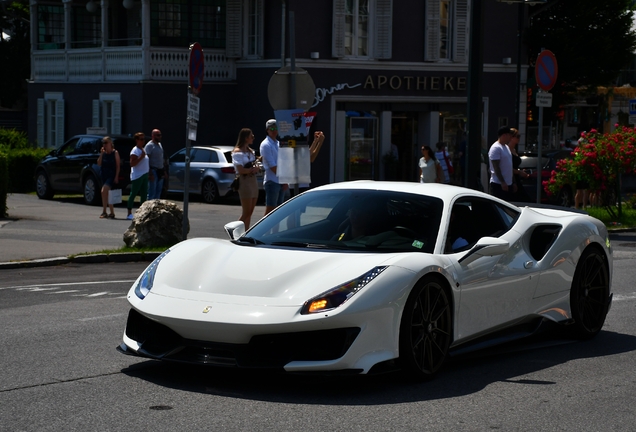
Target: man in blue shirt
(274,191)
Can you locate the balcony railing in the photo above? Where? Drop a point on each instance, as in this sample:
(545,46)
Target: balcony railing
(126,64)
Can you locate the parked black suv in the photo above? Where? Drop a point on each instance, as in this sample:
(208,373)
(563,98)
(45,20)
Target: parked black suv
(72,168)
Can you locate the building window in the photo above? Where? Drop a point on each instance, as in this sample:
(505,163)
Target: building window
(254,48)
(362,29)
(180,23)
(447,30)
(107,112)
(86,27)
(50,27)
(50,120)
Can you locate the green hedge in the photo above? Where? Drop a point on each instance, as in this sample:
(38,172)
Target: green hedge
(21,168)
(4,183)
(13,139)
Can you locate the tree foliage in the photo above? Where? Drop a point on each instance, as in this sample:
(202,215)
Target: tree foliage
(592,41)
(14,52)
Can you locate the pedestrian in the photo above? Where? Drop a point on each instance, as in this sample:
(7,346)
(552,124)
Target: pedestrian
(501,182)
(246,168)
(582,195)
(430,168)
(109,163)
(444,160)
(139,167)
(274,191)
(518,174)
(157,172)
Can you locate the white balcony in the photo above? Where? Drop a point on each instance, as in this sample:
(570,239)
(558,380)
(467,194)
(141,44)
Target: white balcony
(126,64)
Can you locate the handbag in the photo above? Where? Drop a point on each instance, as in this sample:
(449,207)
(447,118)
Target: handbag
(451,170)
(235,184)
(114,196)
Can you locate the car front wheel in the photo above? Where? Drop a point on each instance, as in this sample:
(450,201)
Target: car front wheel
(92,195)
(589,294)
(43,186)
(209,191)
(425,330)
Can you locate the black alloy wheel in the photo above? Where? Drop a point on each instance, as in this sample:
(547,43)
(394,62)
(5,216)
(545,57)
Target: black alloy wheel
(589,293)
(92,193)
(425,330)
(209,191)
(43,186)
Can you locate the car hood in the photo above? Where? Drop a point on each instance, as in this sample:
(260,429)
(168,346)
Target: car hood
(221,271)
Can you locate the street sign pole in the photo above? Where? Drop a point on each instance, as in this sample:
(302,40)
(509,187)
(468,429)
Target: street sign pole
(539,157)
(546,71)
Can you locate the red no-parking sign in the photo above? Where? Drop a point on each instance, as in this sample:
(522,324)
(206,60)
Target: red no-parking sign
(195,68)
(546,70)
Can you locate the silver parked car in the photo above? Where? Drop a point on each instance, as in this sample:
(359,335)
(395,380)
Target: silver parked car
(211,172)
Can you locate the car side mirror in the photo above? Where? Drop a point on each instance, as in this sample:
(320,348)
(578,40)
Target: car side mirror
(486,246)
(235,229)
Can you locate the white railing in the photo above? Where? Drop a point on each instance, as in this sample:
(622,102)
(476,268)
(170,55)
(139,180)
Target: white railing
(126,64)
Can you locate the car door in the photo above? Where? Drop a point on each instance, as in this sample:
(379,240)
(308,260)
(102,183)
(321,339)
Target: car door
(494,289)
(58,167)
(84,156)
(199,163)
(176,171)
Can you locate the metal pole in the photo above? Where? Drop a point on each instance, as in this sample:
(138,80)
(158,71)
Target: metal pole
(521,14)
(292,55)
(186,183)
(539,157)
(475,72)
(282,36)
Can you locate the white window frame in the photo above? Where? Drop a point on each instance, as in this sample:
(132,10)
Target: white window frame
(456,21)
(253,29)
(50,120)
(107,112)
(379,30)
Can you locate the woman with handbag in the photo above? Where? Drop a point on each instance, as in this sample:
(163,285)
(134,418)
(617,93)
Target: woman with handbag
(109,163)
(246,168)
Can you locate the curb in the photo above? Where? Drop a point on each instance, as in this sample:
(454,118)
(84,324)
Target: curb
(83,259)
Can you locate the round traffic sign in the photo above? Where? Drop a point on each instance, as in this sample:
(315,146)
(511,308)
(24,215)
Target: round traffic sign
(279,89)
(546,70)
(195,68)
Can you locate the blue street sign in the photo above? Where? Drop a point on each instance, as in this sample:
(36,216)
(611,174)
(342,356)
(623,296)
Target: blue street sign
(632,107)
(546,70)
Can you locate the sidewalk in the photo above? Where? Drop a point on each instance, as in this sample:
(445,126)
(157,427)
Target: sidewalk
(54,229)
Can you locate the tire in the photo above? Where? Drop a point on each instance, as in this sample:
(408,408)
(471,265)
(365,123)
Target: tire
(92,193)
(565,198)
(589,294)
(43,186)
(209,191)
(426,330)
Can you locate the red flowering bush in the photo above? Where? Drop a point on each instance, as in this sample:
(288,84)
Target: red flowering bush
(599,160)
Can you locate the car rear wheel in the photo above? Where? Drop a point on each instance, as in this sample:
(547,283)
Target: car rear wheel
(92,195)
(43,186)
(425,330)
(209,191)
(589,294)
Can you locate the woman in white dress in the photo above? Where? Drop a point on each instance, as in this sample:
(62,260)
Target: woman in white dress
(246,168)
(430,168)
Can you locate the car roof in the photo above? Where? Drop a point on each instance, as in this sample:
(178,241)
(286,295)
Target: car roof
(442,191)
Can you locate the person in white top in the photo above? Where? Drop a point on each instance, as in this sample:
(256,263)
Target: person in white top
(274,191)
(246,168)
(501,184)
(139,167)
(430,168)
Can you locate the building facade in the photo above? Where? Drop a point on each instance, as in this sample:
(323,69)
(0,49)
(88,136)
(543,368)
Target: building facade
(390,76)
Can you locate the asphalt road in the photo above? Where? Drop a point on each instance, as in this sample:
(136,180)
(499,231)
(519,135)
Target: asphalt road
(60,371)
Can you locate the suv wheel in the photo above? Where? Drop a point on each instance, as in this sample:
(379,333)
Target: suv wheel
(209,191)
(92,194)
(42,186)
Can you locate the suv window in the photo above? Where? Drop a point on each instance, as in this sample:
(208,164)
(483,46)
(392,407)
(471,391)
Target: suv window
(178,157)
(88,146)
(201,155)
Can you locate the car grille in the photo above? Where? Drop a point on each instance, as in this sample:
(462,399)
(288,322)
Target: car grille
(263,351)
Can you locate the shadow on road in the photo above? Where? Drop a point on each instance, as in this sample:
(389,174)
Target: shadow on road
(462,376)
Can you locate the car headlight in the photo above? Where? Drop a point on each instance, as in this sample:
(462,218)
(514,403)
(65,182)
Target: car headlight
(336,296)
(146,280)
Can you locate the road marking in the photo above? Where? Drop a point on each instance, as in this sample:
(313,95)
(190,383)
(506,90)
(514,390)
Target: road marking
(63,292)
(66,284)
(620,297)
(98,294)
(103,317)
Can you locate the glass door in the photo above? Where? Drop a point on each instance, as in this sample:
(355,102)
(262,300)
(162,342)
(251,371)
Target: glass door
(362,148)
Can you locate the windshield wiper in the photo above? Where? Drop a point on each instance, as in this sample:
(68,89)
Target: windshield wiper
(300,244)
(251,240)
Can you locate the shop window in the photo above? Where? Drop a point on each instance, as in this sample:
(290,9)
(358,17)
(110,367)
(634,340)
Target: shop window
(179,23)
(362,29)
(107,112)
(50,120)
(362,148)
(446,31)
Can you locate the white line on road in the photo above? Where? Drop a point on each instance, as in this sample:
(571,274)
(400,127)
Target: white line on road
(66,284)
(103,317)
(63,292)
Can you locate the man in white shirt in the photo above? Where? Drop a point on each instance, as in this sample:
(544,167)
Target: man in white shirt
(501,182)
(274,191)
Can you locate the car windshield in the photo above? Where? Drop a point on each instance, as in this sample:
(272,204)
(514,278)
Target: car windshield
(384,221)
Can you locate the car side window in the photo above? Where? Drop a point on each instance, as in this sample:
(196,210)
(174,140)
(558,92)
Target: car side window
(68,148)
(178,157)
(201,155)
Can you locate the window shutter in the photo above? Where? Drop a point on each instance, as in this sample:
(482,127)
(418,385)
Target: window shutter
(59,122)
(337,34)
(233,29)
(460,50)
(261,22)
(383,29)
(116,117)
(40,123)
(95,121)
(432,30)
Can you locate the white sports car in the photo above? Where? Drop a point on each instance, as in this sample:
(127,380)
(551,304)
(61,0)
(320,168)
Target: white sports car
(367,276)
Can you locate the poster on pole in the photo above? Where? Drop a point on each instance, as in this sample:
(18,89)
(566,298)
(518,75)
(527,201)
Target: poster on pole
(294,165)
